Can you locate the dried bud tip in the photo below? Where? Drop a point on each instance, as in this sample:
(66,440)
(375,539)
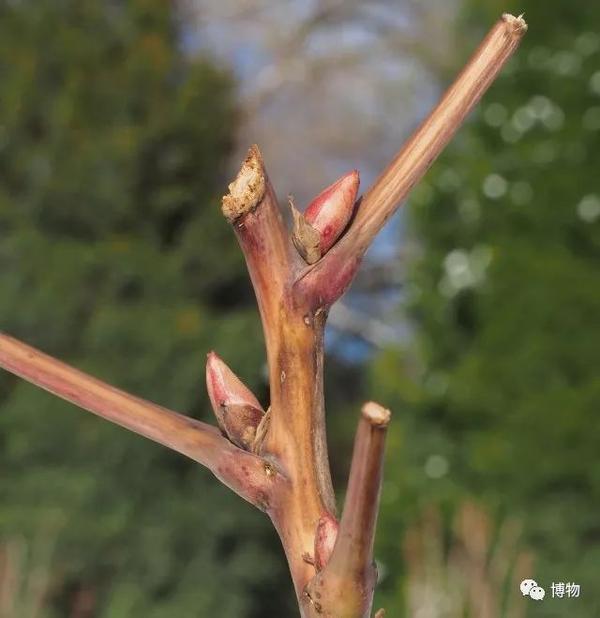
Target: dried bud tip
(248,188)
(306,238)
(380,613)
(237,410)
(325,536)
(241,424)
(329,213)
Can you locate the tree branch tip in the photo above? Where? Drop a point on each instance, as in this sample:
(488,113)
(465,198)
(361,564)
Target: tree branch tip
(248,188)
(377,415)
(517,24)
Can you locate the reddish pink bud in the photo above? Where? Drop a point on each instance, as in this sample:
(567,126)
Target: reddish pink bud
(331,210)
(327,529)
(325,218)
(237,410)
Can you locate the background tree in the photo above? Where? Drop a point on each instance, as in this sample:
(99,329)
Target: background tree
(112,147)
(501,387)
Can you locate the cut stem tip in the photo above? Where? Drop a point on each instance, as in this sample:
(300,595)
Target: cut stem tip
(248,188)
(518,24)
(376,415)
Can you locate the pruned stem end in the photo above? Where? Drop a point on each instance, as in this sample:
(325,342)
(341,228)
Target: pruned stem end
(518,24)
(377,415)
(248,188)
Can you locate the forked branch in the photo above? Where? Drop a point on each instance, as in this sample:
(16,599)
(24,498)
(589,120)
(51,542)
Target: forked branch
(277,460)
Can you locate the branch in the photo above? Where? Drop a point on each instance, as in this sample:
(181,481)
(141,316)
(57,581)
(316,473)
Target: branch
(293,298)
(251,207)
(294,434)
(249,476)
(354,548)
(412,161)
(345,586)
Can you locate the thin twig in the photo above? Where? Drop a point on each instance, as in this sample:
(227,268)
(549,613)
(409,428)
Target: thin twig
(417,155)
(243,472)
(346,583)
(419,152)
(357,525)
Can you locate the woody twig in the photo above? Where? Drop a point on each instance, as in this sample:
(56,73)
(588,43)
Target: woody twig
(277,458)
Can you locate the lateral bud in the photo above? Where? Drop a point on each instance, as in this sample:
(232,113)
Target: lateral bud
(325,218)
(238,411)
(325,536)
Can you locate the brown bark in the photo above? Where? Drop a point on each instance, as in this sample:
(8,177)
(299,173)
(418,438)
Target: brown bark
(280,463)
(344,588)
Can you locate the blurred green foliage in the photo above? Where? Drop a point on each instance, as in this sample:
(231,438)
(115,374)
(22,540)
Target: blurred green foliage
(499,396)
(114,257)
